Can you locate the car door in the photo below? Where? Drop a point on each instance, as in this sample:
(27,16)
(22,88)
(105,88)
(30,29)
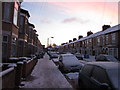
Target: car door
(84,76)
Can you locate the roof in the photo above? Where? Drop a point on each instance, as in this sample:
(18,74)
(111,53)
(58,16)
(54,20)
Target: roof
(109,30)
(32,25)
(25,12)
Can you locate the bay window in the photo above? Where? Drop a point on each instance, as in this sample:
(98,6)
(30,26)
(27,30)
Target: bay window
(7,11)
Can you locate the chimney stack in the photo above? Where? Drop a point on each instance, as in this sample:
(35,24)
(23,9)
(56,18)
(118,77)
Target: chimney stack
(70,41)
(104,27)
(74,39)
(79,37)
(89,33)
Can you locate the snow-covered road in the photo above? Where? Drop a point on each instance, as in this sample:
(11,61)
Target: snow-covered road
(46,75)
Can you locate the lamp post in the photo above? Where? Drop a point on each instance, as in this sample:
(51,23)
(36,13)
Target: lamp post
(48,41)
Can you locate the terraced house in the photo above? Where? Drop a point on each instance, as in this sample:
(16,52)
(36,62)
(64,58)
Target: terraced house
(23,32)
(102,42)
(19,38)
(10,28)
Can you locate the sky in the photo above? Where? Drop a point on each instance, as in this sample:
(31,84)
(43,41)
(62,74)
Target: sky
(67,20)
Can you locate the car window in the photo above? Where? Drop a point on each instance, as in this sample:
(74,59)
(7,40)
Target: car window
(100,75)
(87,70)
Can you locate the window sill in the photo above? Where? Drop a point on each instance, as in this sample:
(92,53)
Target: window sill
(7,21)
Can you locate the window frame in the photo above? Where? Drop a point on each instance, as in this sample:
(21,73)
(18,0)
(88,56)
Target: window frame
(3,38)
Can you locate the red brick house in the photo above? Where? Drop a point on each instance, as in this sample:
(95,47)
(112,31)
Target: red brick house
(23,33)
(10,27)
(106,41)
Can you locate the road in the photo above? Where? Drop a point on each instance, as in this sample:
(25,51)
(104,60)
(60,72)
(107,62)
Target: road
(46,75)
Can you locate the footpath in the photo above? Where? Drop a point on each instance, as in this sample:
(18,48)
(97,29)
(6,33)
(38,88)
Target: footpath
(46,75)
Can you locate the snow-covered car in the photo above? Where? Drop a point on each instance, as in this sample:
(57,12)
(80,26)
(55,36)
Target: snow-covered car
(69,63)
(104,57)
(79,56)
(100,76)
(53,55)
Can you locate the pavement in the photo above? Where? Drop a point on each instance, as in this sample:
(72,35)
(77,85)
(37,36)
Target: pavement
(46,75)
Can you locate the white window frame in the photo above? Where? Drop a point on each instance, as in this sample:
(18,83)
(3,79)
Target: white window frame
(15,18)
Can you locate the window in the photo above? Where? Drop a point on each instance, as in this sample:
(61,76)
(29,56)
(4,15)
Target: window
(113,37)
(22,21)
(15,13)
(106,39)
(7,11)
(90,40)
(98,40)
(103,40)
(5,38)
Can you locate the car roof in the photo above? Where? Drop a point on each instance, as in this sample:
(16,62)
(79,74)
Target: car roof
(106,65)
(66,54)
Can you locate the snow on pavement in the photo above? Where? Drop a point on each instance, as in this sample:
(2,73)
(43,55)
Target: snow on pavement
(46,75)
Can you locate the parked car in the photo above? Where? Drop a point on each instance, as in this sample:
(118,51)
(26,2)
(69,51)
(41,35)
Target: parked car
(100,76)
(53,55)
(69,63)
(79,56)
(104,57)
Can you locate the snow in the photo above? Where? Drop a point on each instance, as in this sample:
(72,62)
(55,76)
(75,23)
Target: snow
(13,58)
(6,71)
(46,75)
(20,62)
(25,58)
(72,75)
(55,60)
(106,65)
(12,65)
(70,61)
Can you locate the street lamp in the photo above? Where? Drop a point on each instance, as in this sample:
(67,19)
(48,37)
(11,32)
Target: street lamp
(48,41)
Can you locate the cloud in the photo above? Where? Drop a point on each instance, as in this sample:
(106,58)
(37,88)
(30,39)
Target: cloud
(74,19)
